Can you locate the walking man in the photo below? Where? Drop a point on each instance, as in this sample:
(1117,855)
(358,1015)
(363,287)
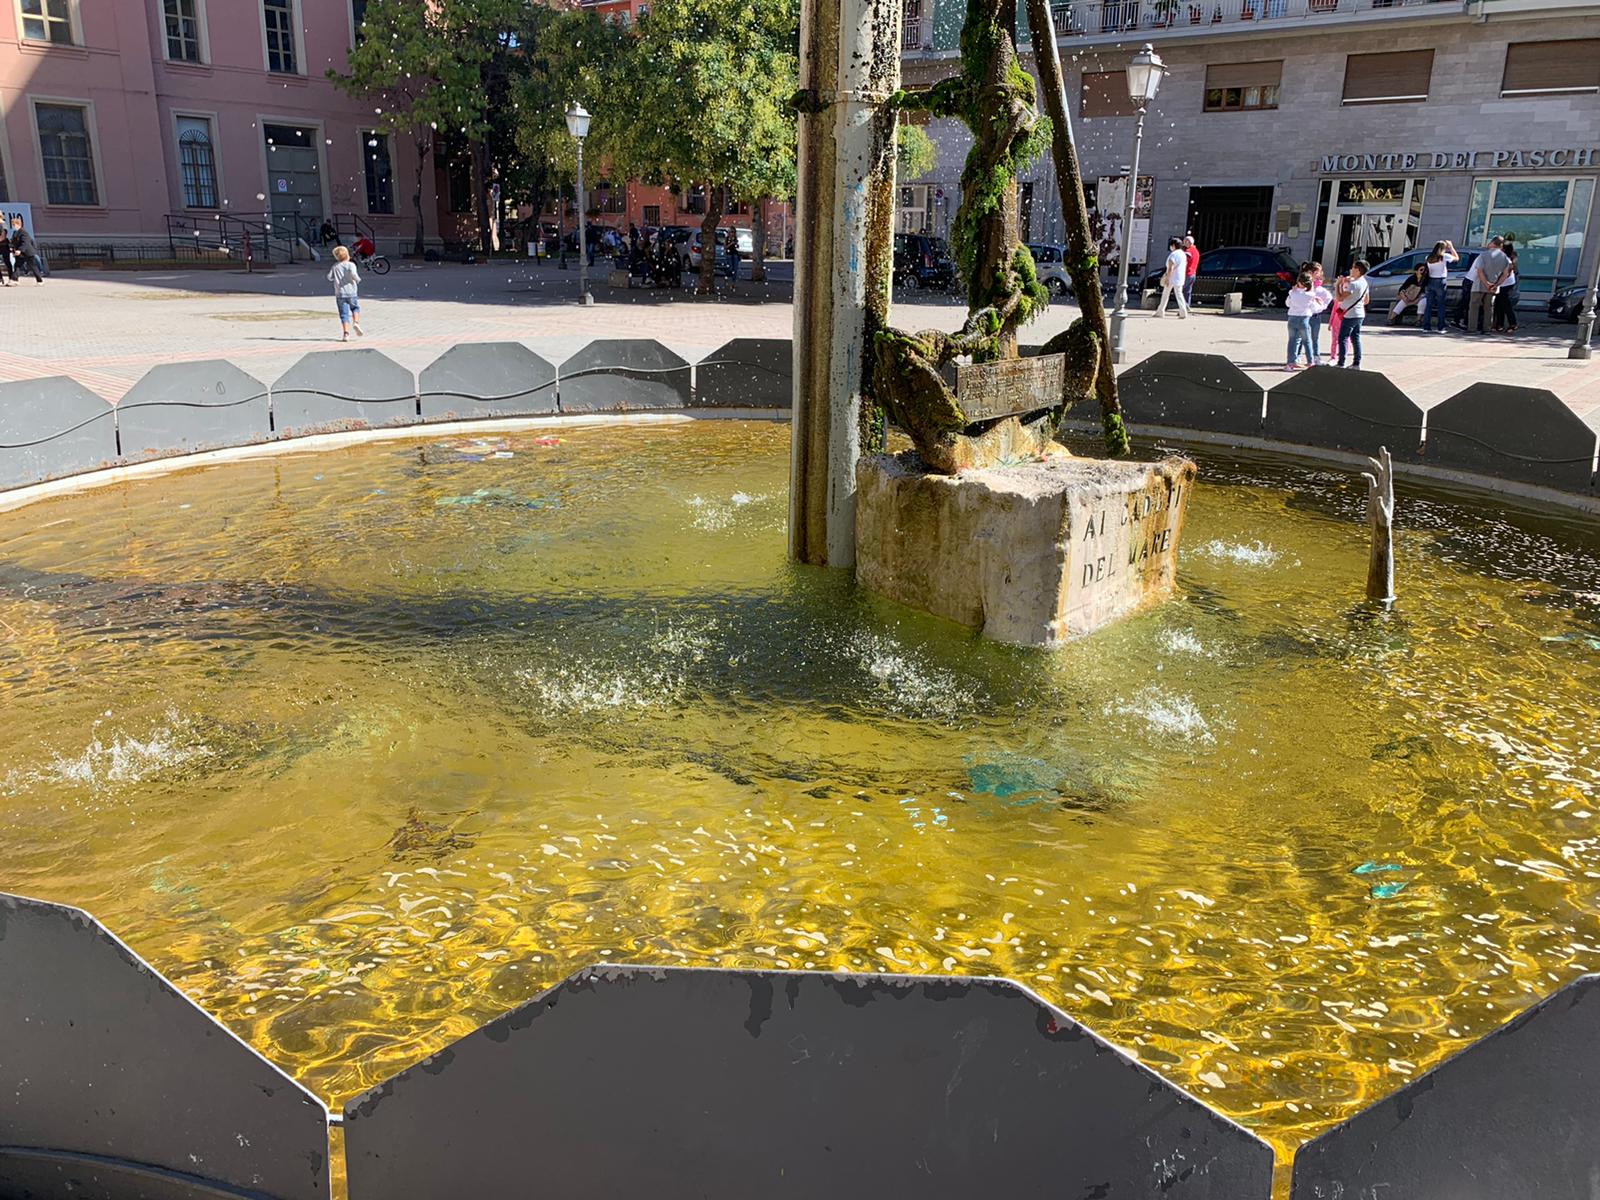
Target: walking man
(1192,252)
(1172,279)
(1488,273)
(24,251)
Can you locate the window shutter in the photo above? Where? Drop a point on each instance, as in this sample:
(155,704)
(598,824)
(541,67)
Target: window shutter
(1105,94)
(1572,65)
(1384,78)
(1241,75)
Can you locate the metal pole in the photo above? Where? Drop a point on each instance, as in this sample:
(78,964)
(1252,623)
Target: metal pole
(1586,320)
(1119,318)
(583,236)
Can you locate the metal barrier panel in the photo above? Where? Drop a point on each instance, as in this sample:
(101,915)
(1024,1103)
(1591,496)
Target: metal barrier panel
(747,373)
(334,390)
(184,408)
(636,1081)
(623,375)
(113,1083)
(1508,432)
(1514,1115)
(487,379)
(53,427)
(1190,391)
(1358,411)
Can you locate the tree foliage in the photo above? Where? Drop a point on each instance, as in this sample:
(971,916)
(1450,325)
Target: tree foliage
(915,154)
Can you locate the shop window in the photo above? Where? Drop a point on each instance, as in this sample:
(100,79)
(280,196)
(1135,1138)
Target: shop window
(277,18)
(1546,219)
(379,171)
(1235,87)
(1395,77)
(48,21)
(64,146)
(197,162)
(183,30)
(1105,94)
(1548,68)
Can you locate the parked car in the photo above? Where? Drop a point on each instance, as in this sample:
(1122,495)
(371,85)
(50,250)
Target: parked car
(921,261)
(1389,276)
(1263,273)
(745,242)
(1051,263)
(1567,303)
(679,236)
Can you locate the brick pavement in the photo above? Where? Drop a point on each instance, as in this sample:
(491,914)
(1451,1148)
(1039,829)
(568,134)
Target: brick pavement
(106,329)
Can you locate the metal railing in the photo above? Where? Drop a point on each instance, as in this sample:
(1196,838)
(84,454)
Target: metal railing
(224,235)
(1081,18)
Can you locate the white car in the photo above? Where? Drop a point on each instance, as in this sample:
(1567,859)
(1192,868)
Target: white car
(1051,265)
(1387,278)
(746,243)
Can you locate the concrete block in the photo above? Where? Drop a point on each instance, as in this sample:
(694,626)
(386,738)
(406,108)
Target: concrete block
(747,373)
(1030,555)
(1511,432)
(51,428)
(487,379)
(1359,411)
(187,408)
(1233,304)
(624,375)
(619,279)
(1189,391)
(331,391)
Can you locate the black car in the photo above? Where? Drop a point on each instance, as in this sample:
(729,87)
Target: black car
(1263,273)
(1567,303)
(921,261)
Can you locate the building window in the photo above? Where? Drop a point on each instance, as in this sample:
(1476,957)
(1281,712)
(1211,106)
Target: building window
(694,203)
(1105,94)
(47,21)
(652,215)
(1547,219)
(1235,87)
(911,25)
(1547,68)
(358,18)
(278,16)
(183,30)
(458,182)
(1395,77)
(197,162)
(68,156)
(380,172)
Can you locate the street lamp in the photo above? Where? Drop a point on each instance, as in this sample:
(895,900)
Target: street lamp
(578,127)
(1144,77)
(1586,320)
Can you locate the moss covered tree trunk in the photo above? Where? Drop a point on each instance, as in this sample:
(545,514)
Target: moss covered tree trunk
(1083,263)
(716,201)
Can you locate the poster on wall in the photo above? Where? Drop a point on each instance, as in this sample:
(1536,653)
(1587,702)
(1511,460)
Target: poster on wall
(1111,198)
(19,208)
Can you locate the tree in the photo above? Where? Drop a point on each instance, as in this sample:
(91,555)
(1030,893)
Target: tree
(915,153)
(421,64)
(706,88)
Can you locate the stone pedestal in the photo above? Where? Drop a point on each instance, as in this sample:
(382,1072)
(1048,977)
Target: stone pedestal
(1030,555)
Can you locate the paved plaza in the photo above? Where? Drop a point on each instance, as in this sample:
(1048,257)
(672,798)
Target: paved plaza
(106,329)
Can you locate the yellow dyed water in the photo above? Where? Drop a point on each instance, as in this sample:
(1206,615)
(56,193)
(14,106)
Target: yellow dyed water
(366,747)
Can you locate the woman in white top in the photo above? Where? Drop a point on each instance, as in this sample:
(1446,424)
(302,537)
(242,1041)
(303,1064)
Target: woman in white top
(1505,300)
(1172,277)
(1438,264)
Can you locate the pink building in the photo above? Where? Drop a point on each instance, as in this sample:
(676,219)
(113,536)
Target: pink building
(116,114)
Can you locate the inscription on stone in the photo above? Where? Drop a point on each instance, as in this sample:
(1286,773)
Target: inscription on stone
(1011,387)
(1125,547)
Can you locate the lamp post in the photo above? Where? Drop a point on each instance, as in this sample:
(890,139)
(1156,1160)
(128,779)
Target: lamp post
(1586,320)
(578,127)
(1144,78)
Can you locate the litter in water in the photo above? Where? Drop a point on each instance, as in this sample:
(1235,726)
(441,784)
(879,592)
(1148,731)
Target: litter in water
(1372,868)
(1004,775)
(1382,891)
(496,498)
(1585,639)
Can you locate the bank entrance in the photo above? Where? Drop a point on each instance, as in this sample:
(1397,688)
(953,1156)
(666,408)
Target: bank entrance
(1230,216)
(1374,219)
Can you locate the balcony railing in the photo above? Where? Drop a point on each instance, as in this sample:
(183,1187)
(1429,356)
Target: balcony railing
(1081,18)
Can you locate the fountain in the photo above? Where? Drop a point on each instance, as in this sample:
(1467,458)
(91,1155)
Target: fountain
(988,520)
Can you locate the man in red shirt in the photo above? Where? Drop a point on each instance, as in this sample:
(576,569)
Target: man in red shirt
(1192,252)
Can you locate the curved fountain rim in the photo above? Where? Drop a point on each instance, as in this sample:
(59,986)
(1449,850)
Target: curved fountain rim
(86,481)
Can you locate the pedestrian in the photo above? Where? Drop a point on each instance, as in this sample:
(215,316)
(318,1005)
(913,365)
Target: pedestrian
(1350,299)
(1488,273)
(346,282)
(1324,298)
(1192,252)
(1505,300)
(1303,303)
(1438,268)
(24,251)
(1172,279)
(1412,293)
(8,270)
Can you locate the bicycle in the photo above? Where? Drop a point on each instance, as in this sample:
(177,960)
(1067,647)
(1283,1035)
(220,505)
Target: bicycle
(378,264)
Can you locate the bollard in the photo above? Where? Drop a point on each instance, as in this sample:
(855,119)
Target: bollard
(1233,304)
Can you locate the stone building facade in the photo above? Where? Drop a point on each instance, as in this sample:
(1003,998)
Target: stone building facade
(1335,128)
